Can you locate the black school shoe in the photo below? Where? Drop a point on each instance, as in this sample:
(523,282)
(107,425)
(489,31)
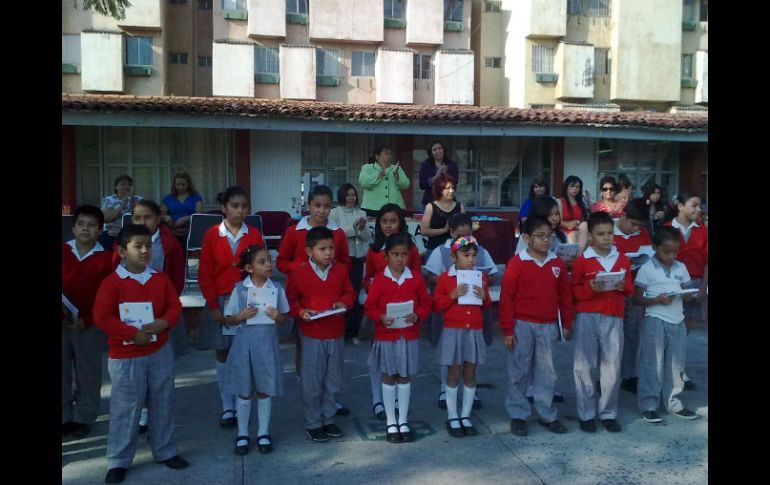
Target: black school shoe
(611,425)
(379,414)
(115,475)
(652,417)
(242,449)
(442,400)
(469,429)
(266,447)
(686,414)
(455,432)
(333,431)
(230,421)
(519,427)
(406,436)
(176,462)
(589,426)
(318,435)
(554,426)
(392,436)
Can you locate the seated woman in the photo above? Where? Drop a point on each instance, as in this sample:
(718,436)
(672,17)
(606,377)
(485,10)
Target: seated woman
(115,206)
(539,188)
(608,204)
(179,205)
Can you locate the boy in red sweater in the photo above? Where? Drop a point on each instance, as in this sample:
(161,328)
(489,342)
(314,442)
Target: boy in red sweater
(137,364)
(630,235)
(534,291)
(599,324)
(84,264)
(317,285)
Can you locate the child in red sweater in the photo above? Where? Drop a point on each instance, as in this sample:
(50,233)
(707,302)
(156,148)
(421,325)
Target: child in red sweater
(84,265)
(395,352)
(137,364)
(535,290)
(599,324)
(462,340)
(317,285)
(217,275)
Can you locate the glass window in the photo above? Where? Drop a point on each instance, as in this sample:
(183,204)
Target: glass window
(139,51)
(180,58)
(589,8)
(493,62)
(394,9)
(296,6)
(204,61)
(239,5)
(704,10)
(453,10)
(492,6)
(327,62)
(70,49)
(204,4)
(687,66)
(363,63)
(688,10)
(643,162)
(542,58)
(422,66)
(266,60)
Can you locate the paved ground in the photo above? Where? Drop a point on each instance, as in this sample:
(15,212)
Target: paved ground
(641,454)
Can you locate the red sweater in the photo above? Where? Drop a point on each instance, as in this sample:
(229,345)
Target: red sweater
(535,294)
(304,289)
(605,302)
(633,243)
(115,290)
(384,290)
(375,263)
(173,258)
(292,253)
(694,252)
(80,280)
(218,271)
(456,315)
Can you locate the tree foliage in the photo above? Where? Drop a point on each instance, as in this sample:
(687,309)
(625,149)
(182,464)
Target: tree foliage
(109,8)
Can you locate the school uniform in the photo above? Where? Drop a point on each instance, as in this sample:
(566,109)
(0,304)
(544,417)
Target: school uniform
(531,297)
(662,338)
(598,332)
(440,260)
(219,270)
(291,253)
(694,253)
(254,361)
(462,339)
(630,243)
(376,263)
(81,351)
(309,287)
(396,350)
(138,371)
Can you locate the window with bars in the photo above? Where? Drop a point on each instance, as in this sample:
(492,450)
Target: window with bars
(204,61)
(453,10)
(422,66)
(266,60)
(688,10)
(234,5)
(643,162)
(70,49)
(394,9)
(296,6)
(687,60)
(542,59)
(327,62)
(363,63)
(139,51)
(492,6)
(589,8)
(601,62)
(179,58)
(493,62)
(704,10)
(204,4)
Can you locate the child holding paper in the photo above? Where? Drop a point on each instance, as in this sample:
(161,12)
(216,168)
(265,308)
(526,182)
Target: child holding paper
(254,362)
(598,331)
(319,284)
(141,366)
(462,341)
(395,352)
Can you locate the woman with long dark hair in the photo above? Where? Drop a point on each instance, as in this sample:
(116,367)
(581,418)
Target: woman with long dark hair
(437,164)
(653,195)
(572,208)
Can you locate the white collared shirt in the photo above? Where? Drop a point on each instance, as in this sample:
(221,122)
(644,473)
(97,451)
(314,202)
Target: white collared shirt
(233,239)
(657,280)
(233,304)
(322,273)
(684,230)
(404,276)
(142,278)
(524,255)
(608,261)
(73,245)
(304,224)
(435,262)
(622,234)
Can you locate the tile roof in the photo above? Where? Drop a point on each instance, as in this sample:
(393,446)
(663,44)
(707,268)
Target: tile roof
(390,113)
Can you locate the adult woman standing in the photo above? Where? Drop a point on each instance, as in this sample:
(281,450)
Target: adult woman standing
(179,205)
(653,195)
(435,220)
(382,182)
(115,206)
(572,208)
(608,204)
(436,164)
(538,189)
(352,220)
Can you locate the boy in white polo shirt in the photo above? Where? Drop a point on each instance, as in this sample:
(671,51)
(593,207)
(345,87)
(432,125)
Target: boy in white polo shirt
(662,334)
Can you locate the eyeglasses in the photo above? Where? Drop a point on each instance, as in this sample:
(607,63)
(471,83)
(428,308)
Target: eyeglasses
(608,189)
(543,237)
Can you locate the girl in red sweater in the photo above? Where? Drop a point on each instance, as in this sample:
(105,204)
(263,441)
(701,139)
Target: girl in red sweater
(217,275)
(462,340)
(396,348)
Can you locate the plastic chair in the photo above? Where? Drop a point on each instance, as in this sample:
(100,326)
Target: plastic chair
(199,224)
(254,220)
(274,225)
(126,220)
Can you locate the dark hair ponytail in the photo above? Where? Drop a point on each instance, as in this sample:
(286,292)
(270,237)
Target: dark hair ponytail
(247,257)
(224,197)
(672,209)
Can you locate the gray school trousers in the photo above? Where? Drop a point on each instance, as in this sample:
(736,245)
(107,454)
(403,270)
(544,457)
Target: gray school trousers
(631,321)
(598,342)
(532,356)
(81,354)
(321,379)
(133,380)
(660,365)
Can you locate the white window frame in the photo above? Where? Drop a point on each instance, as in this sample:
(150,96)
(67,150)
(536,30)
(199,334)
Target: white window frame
(139,43)
(390,8)
(270,58)
(422,63)
(360,58)
(328,62)
(70,49)
(451,10)
(543,59)
(296,7)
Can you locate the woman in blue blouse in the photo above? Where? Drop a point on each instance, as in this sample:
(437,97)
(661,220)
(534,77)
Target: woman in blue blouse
(179,205)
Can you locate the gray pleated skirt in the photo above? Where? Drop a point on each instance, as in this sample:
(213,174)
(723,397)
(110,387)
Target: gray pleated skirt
(219,341)
(460,345)
(254,361)
(393,357)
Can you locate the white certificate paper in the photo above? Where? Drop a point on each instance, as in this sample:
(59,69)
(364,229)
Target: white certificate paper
(471,278)
(261,298)
(137,314)
(399,311)
(610,279)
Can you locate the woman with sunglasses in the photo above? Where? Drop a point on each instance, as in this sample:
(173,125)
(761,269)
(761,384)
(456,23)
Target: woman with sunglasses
(609,187)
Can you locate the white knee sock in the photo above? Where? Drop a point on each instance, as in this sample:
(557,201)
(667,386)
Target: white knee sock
(389,400)
(243,408)
(468,394)
(404,391)
(444,372)
(227,399)
(264,406)
(143,417)
(451,402)
(375,377)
